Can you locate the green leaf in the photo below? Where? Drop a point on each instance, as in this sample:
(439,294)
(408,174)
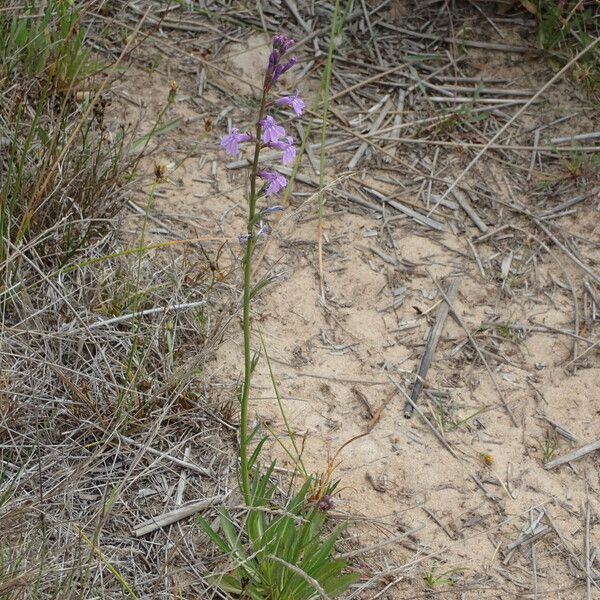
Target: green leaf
(341,584)
(227,583)
(215,537)
(231,535)
(298,500)
(254,431)
(326,547)
(256,453)
(263,491)
(43,136)
(255,527)
(328,570)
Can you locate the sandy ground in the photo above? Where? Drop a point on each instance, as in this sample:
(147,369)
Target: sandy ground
(339,365)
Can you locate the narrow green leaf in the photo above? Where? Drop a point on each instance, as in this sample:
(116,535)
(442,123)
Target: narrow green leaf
(256,453)
(215,537)
(341,584)
(227,583)
(230,533)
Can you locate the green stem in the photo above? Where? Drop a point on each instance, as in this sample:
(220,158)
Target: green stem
(244,471)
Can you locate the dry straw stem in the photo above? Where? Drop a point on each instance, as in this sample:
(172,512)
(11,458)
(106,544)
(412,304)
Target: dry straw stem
(427,422)
(565,544)
(166,456)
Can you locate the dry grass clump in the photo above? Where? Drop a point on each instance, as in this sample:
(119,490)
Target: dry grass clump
(94,332)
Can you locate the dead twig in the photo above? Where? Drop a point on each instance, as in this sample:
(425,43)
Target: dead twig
(575,455)
(430,346)
(173,516)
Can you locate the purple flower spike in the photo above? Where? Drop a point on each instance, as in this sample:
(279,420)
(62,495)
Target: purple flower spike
(327,503)
(294,101)
(271,130)
(288,149)
(275,182)
(231,141)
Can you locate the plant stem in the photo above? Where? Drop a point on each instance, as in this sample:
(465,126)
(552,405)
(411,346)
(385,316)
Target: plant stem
(244,472)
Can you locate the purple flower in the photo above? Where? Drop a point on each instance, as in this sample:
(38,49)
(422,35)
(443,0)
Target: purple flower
(273,60)
(282,43)
(281,69)
(288,149)
(327,503)
(275,182)
(271,130)
(294,101)
(231,141)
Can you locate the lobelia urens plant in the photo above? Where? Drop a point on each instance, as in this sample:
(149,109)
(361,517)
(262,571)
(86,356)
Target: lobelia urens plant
(268,134)
(279,553)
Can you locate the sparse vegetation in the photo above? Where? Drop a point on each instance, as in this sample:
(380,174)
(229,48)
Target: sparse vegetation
(186,338)
(566,27)
(446,578)
(549,445)
(80,360)
(287,558)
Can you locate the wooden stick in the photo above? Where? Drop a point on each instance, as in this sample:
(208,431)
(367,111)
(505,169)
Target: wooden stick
(395,133)
(575,455)
(468,100)
(532,536)
(173,516)
(576,138)
(466,205)
(413,214)
(432,341)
